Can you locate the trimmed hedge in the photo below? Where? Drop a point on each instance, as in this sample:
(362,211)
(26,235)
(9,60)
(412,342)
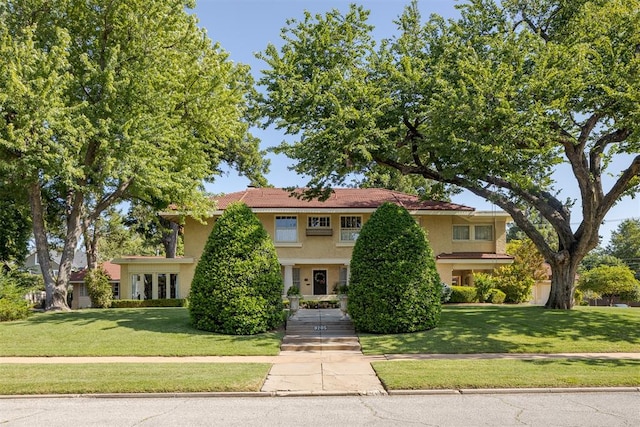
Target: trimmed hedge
(135,303)
(237,286)
(394,286)
(463,294)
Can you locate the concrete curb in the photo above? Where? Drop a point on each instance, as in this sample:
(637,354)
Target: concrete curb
(374,393)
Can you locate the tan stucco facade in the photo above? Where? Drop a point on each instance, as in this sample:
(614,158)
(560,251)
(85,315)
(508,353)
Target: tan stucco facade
(317,259)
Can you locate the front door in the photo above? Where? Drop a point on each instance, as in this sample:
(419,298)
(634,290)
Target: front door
(319,282)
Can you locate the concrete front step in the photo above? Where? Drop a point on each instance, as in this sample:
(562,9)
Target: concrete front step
(329,346)
(323,330)
(300,343)
(292,339)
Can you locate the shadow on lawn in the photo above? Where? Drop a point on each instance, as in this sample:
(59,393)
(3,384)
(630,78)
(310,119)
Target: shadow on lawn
(167,320)
(514,329)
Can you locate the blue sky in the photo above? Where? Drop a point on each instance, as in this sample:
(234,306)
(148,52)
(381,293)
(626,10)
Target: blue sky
(244,27)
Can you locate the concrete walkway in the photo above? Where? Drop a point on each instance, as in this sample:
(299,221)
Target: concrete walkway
(321,371)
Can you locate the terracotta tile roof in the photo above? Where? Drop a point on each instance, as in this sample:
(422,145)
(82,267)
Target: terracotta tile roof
(365,198)
(113,271)
(474,255)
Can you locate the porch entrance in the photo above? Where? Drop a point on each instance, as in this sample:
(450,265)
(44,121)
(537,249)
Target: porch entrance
(319,282)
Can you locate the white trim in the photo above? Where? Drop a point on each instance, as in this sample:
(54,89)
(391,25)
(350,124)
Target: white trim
(474,261)
(319,261)
(287,245)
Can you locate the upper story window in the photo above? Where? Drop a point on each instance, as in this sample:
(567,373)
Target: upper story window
(483,232)
(286,229)
(319,222)
(350,228)
(480,232)
(461,232)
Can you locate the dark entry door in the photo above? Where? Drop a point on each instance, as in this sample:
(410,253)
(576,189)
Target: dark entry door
(319,282)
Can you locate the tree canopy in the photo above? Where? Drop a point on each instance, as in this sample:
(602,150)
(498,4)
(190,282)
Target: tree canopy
(105,101)
(610,281)
(625,244)
(492,102)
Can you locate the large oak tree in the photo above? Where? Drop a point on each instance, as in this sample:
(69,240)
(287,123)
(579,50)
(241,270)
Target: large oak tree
(492,102)
(103,101)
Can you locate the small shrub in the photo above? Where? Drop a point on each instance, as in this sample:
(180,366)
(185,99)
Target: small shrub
(135,303)
(495,296)
(294,290)
(463,294)
(98,288)
(516,288)
(446,293)
(483,283)
(13,306)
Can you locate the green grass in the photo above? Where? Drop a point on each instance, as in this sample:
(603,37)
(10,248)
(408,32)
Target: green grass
(125,332)
(131,378)
(518,329)
(498,373)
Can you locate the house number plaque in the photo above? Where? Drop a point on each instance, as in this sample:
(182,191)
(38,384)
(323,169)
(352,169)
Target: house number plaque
(320,328)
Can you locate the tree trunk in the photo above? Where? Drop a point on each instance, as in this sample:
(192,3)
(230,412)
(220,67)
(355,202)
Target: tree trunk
(169,237)
(562,283)
(72,237)
(91,248)
(56,296)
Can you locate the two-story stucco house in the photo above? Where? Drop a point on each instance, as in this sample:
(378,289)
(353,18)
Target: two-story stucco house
(314,240)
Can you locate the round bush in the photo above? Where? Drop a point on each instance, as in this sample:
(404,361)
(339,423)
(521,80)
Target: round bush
(394,285)
(495,296)
(237,287)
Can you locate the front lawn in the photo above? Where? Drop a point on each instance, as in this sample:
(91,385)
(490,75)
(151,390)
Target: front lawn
(131,378)
(518,329)
(125,332)
(501,373)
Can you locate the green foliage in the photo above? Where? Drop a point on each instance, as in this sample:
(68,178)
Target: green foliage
(625,244)
(483,283)
(13,306)
(517,279)
(128,100)
(15,222)
(495,296)
(237,287)
(598,257)
(463,294)
(134,303)
(492,102)
(610,281)
(293,291)
(394,284)
(98,287)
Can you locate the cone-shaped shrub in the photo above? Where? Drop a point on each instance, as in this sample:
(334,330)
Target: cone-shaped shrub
(237,286)
(394,285)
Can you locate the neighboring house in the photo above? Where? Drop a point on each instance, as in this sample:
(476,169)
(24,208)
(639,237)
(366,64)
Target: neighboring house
(314,240)
(32,264)
(81,296)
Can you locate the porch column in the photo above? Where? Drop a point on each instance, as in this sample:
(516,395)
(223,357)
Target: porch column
(288,277)
(348,266)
